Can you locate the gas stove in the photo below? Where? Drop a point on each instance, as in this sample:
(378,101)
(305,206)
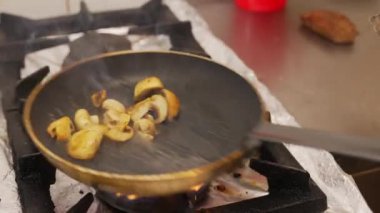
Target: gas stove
(290,187)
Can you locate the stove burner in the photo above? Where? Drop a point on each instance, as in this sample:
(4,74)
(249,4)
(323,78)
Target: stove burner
(173,203)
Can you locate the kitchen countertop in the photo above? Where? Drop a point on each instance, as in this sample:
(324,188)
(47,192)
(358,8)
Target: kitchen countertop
(323,85)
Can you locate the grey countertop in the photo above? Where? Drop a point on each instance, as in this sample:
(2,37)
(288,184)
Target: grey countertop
(325,86)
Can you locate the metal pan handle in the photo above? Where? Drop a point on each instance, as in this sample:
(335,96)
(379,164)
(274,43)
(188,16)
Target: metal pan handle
(357,146)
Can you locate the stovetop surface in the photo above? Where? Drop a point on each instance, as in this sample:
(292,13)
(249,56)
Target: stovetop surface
(290,187)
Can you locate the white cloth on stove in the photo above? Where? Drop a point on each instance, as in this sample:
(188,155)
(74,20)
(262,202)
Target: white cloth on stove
(67,191)
(9,201)
(49,56)
(54,56)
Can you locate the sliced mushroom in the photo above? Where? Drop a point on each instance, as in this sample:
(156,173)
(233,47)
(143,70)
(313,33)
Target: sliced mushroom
(114,119)
(145,125)
(146,86)
(84,144)
(82,119)
(94,119)
(173,104)
(99,97)
(145,136)
(145,128)
(140,109)
(159,106)
(120,135)
(112,104)
(98,127)
(61,129)
(149,117)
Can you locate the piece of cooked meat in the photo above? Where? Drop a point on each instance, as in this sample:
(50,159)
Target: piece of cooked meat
(334,26)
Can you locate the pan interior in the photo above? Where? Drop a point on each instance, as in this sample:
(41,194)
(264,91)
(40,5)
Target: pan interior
(218,109)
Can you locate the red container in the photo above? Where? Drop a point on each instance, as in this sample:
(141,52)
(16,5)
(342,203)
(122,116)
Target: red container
(261,5)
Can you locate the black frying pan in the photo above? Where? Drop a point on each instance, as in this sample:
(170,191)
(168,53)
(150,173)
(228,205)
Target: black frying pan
(219,110)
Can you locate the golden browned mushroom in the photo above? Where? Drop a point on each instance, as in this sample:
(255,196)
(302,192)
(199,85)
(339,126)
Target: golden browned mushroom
(149,117)
(114,119)
(84,144)
(156,104)
(145,125)
(98,97)
(145,128)
(98,127)
(140,109)
(61,129)
(173,104)
(146,87)
(94,119)
(119,135)
(112,104)
(145,136)
(82,119)
(159,106)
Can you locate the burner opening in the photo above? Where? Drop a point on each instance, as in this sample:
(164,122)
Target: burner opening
(173,203)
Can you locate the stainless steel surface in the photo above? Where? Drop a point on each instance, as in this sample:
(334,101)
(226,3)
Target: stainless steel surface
(340,143)
(325,86)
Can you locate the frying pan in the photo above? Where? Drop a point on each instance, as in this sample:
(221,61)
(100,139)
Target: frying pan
(219,122)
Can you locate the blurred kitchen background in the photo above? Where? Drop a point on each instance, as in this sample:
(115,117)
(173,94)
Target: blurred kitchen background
(323,85)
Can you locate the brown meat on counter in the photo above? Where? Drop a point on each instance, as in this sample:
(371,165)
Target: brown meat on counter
(331,25)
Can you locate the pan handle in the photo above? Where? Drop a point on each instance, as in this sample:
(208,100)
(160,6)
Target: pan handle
(357,146)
